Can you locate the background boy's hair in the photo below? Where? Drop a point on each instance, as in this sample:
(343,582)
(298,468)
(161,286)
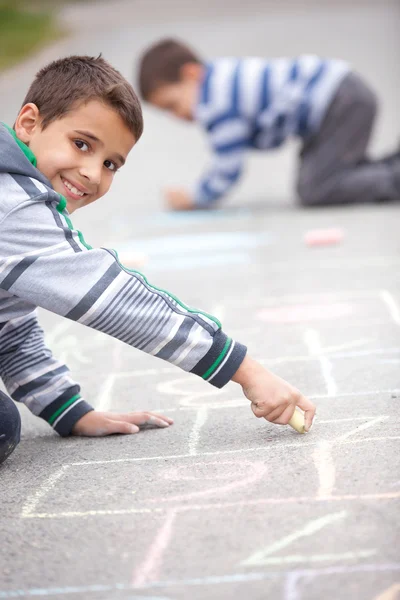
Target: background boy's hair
(74,79)
(162,63)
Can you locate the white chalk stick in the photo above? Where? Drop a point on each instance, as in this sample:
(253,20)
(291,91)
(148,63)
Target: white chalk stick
(297,421)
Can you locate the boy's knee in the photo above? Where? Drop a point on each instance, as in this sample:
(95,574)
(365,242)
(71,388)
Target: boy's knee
(10,426)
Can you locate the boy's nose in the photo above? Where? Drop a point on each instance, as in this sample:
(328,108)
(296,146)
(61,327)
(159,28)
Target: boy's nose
(92,172)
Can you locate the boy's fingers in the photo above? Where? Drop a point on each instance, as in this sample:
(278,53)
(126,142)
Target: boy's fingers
(149,419)
(162,417)
(154,421)
(309,411)
(284,417)
(258,412)
(120,427)
(141,418)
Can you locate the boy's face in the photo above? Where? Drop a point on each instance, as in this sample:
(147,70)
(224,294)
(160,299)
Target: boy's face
(80,152)
(179,98)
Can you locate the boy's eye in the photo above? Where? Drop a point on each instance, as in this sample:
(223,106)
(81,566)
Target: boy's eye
(81,145)
(110,165)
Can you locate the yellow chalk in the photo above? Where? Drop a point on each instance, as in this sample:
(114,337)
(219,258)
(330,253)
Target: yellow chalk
(297,421)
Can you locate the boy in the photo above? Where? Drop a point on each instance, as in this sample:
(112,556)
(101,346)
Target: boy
(252,103)
(77,125)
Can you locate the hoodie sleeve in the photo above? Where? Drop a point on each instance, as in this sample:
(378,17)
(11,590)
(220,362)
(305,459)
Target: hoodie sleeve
(45,261)
(33,376)
(225,170)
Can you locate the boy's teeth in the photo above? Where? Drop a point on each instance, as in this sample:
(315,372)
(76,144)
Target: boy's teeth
(73,188)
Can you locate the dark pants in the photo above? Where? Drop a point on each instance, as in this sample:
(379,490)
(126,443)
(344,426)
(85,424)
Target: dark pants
(10,426)
(334,168)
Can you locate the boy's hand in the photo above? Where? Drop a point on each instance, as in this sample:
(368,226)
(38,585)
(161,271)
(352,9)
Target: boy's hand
(271,397)
(97,424)
(178,199)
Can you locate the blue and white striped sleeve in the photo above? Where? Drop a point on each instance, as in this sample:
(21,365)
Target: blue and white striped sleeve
(34,377)
(229,140)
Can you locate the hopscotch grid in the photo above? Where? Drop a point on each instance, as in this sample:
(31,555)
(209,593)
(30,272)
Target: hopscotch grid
(324,356)
(31,504)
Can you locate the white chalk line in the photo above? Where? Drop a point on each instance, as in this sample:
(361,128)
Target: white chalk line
(313,558)
(369,424)
(32,501)
(194,437)
(219,505)
(391,305)
(312,340)
(307,530)
(105,400)
(278,447)
(202,581)
(149,568)
(325,466)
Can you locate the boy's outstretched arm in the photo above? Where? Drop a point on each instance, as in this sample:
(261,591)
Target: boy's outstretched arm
(45,262)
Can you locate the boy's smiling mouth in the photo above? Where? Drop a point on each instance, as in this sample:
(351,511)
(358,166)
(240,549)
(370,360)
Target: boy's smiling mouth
(73,190)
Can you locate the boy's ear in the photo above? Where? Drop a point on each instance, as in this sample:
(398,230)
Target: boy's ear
(191,71)
(27,122)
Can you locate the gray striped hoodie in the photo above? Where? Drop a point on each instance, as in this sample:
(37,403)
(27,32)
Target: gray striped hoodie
(45,262)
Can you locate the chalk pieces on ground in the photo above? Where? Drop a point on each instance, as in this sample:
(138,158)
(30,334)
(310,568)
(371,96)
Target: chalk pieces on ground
(323,237)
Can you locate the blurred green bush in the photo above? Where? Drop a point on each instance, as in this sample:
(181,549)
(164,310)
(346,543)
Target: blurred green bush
(24,27)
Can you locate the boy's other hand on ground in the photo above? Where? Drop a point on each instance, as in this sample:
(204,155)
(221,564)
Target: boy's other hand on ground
(178,199)
(271,397)
(97,424)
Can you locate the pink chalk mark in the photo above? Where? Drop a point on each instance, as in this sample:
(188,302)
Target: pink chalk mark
(257,470)
(298,313)
(148,570)
(323,237)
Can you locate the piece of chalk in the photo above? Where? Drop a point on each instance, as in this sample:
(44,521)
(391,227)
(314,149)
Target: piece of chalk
(297,421)
(323,237)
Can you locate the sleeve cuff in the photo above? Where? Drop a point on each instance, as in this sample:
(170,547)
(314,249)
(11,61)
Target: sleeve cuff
(65,411)
(222,361)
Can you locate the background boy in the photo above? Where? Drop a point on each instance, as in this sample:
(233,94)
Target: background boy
(253,103)
(78,123)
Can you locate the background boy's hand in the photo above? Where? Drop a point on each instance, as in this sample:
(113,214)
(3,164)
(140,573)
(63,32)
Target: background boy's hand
(271,397)
(97,424)
(178,199)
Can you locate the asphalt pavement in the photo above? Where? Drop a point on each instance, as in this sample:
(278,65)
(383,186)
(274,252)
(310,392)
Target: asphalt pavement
(222,505)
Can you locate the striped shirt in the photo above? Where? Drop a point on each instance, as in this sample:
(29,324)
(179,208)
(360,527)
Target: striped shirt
(252,103)
(45,262)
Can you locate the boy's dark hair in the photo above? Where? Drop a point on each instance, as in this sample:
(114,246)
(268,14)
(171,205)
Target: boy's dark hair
(162,63)
(64,82)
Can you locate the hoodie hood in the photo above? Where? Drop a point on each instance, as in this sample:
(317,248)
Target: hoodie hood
(17,158)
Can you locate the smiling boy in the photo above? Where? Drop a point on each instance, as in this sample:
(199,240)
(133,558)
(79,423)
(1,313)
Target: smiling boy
(77,125)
